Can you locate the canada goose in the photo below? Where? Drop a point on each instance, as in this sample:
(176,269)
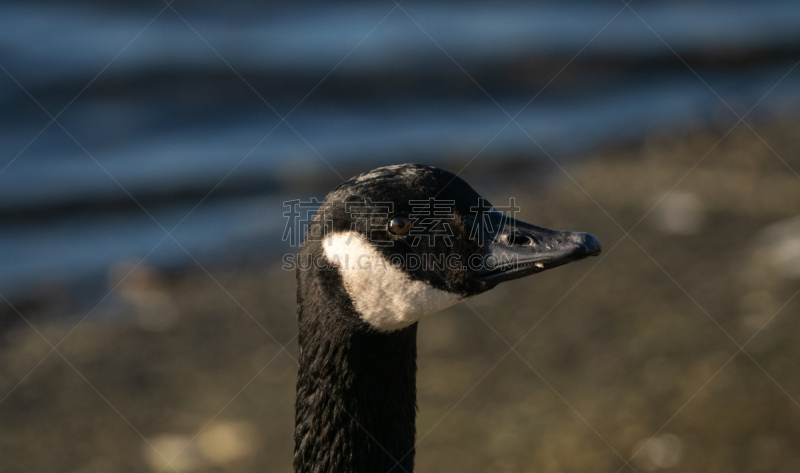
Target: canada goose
(362,286)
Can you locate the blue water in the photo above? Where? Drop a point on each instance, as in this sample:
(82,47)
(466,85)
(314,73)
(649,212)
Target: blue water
(81,40)
(155,146)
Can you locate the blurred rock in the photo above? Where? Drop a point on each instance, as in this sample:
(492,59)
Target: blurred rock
(680,213)
(775,259)
(782,243)
(661,452)
(172,448)
(227,441)
(220,443)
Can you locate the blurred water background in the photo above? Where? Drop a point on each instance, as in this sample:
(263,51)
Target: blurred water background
(176,111)
(146,154)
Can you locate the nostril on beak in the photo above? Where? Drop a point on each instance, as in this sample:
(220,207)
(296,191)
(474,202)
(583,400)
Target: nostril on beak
(519,240)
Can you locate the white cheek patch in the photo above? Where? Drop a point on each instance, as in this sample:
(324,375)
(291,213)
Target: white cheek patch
(384,296)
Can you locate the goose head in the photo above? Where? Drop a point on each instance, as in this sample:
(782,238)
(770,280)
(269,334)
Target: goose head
(386,249)
(409,240)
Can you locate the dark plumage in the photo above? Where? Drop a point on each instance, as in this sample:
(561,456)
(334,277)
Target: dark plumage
(356,387)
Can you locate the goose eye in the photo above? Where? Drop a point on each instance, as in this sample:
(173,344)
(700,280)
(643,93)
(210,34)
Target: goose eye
(400,225)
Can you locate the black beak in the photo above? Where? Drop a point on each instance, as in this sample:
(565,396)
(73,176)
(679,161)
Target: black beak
(515,249)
